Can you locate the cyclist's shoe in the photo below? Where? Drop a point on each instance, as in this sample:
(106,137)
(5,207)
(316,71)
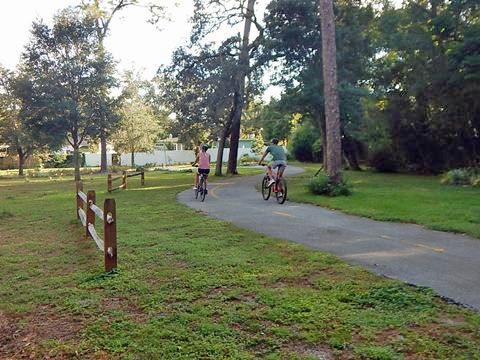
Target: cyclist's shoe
(194,188)
(271,182)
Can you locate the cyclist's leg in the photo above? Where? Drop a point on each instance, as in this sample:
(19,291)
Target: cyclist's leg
(280,170)
(269,171)
(196,179)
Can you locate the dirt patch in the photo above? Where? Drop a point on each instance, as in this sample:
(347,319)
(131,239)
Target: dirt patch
(388,336)
(121,304)
(21,335)
(306,280)
(320,352)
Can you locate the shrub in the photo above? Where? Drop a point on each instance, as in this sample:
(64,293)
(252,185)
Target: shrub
(323,185)
(151,165)
(301,143)
(63,161)
(476,182)
(462,176)
(384,160)
(246,159)
(317,150)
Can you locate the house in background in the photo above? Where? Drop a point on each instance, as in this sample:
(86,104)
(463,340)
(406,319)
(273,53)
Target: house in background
(246,144)
(170,143)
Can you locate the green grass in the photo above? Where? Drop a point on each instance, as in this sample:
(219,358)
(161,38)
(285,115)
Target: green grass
(400,198)
(193,287)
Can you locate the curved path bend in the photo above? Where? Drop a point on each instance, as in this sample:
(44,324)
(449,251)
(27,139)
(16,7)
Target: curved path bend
(446,262)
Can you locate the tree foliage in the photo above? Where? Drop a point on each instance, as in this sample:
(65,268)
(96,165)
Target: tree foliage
(138,129)
(65,76)
(14,131)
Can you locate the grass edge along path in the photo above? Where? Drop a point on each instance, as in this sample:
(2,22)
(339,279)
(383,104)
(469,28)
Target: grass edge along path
(192,287)
(402,198)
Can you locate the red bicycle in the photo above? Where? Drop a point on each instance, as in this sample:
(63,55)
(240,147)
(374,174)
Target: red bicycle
(278,186)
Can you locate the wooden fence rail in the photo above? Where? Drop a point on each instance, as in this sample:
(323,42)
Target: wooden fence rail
(108,215)
(124,178)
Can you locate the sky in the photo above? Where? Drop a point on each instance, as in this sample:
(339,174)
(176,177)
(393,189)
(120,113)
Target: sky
(132,40)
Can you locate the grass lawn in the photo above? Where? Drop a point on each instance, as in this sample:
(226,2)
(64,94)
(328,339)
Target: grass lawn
(401,198)
(189,287)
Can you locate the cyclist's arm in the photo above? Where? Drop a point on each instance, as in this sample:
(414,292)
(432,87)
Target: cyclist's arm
(263,157)
(196,160)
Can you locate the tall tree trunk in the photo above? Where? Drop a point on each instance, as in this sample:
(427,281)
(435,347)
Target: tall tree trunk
(332,112)
(235,133)
(76,161)
(103,154)
(243,69)
(133,159)
(221,147)
(21,161)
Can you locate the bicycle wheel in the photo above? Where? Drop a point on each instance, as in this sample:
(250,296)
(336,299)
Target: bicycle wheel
(198,190)
(266,190)
(204,189)
(282,191)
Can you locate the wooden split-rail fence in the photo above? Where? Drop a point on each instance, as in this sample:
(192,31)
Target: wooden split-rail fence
(124,178)
(108,215)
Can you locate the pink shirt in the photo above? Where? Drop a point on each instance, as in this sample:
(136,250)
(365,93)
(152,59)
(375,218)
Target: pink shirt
(203,160)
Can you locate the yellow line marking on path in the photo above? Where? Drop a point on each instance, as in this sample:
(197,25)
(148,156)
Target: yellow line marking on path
(439,250)
(282,214)
(212,192)
(217,185)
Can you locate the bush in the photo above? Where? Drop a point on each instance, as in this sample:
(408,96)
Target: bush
(63,161)
(384,160)
(301,143)
(317,150)
(246,160)
(462,176)
(323,185)
(149,165)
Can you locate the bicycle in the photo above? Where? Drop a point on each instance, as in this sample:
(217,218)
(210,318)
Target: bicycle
(279,187)
(202,187)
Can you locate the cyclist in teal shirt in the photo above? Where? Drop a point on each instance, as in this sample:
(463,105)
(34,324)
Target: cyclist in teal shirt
(279,160)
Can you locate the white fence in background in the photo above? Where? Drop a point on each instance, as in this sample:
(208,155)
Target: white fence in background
(162,157)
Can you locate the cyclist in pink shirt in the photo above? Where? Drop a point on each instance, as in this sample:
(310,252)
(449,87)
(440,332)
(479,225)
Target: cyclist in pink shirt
(203,161)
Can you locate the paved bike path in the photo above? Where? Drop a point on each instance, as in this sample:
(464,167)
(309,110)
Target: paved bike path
(448,263)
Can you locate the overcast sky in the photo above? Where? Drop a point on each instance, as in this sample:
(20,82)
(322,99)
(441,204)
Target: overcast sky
(132,40)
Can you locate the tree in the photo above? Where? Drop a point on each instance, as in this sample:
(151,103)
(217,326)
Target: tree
(138,130)
(102,13)
(287,21)
(200,93)
(333,149)
(212,15)
(13,131)
(239,94)
(427,82)
(65,75)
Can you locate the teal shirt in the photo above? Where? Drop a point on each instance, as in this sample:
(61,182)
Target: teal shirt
(277,152)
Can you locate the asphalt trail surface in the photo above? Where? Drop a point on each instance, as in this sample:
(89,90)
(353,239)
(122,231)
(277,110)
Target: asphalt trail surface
(448,263)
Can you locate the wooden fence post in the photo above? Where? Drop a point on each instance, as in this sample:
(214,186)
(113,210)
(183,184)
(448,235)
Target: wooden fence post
(109,183)
(142,177)
(125,180)
(90,213)
(110,234)
(79,187)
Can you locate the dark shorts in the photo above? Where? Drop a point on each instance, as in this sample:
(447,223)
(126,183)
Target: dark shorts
(278,164)
(204,171)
